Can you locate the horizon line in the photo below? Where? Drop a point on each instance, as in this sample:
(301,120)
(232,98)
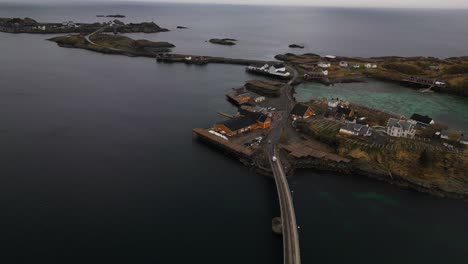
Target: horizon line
(76,2)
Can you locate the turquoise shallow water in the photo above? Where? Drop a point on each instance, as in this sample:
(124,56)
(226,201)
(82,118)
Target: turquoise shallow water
(449,109)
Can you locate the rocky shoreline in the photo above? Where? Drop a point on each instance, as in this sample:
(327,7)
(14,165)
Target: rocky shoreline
(28,25)
(449,75)
(353,167)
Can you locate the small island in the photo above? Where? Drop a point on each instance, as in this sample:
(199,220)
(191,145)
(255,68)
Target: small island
(114,44)
(224,41)
(182,27)
(28,25)
(296,46)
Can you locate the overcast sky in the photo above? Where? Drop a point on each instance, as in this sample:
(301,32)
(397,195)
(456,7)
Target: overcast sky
(341,3)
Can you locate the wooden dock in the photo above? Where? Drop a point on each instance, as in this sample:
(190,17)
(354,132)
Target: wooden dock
(226,145)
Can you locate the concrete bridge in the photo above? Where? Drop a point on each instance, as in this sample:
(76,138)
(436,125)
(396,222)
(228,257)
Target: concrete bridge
(288,217)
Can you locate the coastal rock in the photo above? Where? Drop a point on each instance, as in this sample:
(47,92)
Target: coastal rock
(117,16)
(181,27)
(265,87)
(296,46)
(277,226)
(224,41)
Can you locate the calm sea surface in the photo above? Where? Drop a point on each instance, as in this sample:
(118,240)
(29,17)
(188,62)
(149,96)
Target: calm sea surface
(98,164)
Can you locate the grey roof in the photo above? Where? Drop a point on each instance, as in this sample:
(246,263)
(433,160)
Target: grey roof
(421,119)
(299,110)
(238,123)
(343,111)
(249,119)
(405,125)
(361,130)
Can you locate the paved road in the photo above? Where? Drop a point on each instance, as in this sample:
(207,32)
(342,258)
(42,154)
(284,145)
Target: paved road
(291,247)
(87,38)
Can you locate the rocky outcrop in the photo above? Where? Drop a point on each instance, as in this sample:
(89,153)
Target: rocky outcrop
(224,41)
(115,44)
(296,46)
(265,87)
(277,226)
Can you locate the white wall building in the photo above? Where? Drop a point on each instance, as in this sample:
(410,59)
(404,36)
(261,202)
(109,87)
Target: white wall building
(400,128)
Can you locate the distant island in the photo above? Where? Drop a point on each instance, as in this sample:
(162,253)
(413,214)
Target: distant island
(116,16)
(224,41)
(296,46)
(28,25)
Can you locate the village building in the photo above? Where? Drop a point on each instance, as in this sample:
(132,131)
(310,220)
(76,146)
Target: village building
(314,75)
(356,130)
(330,57)
(69,24)
(259,99)
(400,128)
(463,140)
(356,66)
(247,109)
(350,120)
(244,97)
(302,111)
(324,64)
(239,96)
(277,70)
(343,112)
(343,64)
(422,121)
(333,103)
(370,65)
(243,124)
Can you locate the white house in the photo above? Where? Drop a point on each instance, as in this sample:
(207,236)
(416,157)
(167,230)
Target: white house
(356,66)
(277,68)
(400,128)
(324,65)
(356,130)
(68,24)
(325,73)
(370,65)
(330,57)
(464,140)
(333,103)
(259,99)
(343,64)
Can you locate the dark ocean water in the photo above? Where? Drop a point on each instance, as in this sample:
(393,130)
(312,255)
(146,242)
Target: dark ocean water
(98,164)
